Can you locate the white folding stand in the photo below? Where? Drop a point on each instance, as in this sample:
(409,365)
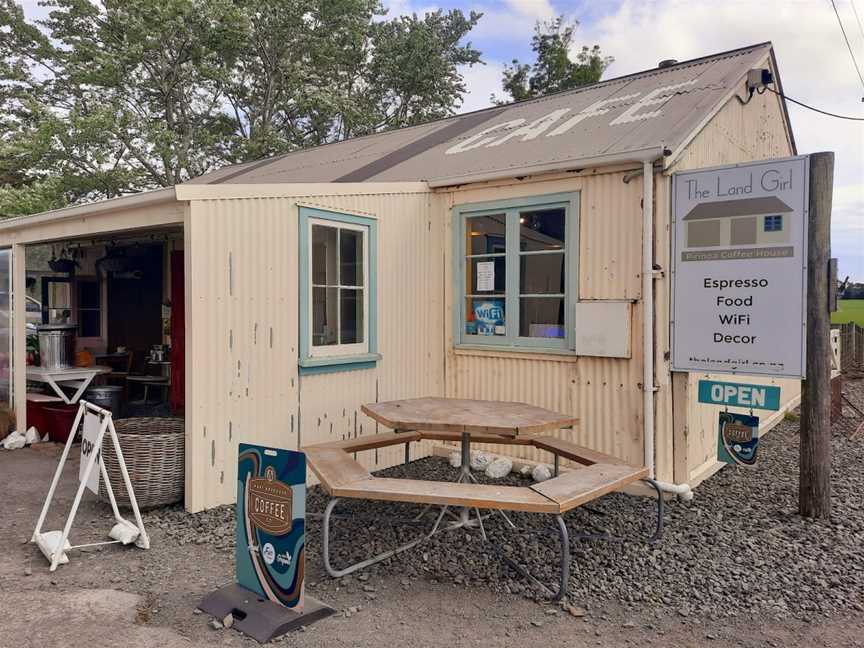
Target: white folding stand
(54,544)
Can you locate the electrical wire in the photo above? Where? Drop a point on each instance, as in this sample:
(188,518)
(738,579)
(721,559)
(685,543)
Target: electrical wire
(848,46)
(824,112)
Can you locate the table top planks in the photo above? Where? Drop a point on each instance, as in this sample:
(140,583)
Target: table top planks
(480,417)
(580,486)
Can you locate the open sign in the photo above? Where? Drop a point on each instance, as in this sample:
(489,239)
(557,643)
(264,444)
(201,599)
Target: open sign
(89,437)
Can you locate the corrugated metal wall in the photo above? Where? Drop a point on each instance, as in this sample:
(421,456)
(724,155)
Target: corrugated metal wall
(605,394)
(243,330)
(738,133)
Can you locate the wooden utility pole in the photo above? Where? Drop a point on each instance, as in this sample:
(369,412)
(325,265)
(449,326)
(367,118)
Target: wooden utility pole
(814,489)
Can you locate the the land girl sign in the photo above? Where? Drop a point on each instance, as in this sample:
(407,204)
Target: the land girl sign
(271,501)
(739,268)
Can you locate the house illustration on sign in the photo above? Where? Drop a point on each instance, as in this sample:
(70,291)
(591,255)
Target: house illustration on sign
(746,221)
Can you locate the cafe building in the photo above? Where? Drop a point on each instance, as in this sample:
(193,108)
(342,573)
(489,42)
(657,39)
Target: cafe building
(517,253)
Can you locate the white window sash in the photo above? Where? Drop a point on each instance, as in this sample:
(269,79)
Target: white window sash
(338,350)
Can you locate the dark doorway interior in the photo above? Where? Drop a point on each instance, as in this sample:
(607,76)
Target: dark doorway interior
(135,303)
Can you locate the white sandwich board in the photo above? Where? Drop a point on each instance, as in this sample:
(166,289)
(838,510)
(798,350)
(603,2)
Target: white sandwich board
(55,544)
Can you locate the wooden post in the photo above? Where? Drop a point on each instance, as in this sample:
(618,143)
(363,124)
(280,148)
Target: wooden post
(814,489)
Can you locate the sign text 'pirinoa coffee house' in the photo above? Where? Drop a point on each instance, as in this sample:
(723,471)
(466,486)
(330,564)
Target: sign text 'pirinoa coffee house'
(739,275)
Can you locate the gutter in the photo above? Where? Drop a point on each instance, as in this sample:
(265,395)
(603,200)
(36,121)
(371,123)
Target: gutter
(143,199)
(648,276)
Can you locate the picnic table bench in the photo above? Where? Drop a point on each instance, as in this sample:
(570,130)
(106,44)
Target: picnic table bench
(342,476)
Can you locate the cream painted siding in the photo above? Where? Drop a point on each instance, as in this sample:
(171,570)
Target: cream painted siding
(738,133)
(605,394)
(243,331)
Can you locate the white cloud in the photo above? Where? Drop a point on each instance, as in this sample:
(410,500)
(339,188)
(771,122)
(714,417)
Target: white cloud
(481,81)
(532,9)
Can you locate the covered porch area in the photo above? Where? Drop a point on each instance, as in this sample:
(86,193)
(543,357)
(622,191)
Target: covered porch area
(95,309)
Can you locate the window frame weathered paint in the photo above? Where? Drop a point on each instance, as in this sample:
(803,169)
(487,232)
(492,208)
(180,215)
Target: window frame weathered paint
(512,341)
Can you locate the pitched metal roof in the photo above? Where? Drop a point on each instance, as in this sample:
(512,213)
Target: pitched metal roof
(651,110)
(738,207)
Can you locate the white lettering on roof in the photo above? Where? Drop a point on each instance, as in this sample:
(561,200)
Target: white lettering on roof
(477,140)
(594,110)
(525,132)
(656,96)
(534,129)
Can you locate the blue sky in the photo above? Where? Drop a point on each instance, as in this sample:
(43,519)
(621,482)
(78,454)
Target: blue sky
(814,63)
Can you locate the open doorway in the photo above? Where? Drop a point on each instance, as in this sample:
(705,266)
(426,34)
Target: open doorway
(107,325)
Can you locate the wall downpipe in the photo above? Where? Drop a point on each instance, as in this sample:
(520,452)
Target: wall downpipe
(682,490)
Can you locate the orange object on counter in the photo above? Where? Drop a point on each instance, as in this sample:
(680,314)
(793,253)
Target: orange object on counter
(83,359)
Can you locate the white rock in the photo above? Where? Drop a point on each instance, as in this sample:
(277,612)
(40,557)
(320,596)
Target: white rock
(31,436)
(499,468)
(541,473)
(455,459)
(14,441)
(479,460)
(524,470)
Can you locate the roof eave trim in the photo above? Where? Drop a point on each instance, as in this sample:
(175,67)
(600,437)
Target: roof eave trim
(132,201)
(613,159)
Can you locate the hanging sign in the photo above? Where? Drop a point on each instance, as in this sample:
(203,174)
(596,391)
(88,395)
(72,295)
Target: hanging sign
(728,394)
(739,268)
(89,438)
(271,533)
(738,438)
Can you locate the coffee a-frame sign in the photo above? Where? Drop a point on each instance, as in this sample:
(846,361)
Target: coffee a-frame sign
(268,598)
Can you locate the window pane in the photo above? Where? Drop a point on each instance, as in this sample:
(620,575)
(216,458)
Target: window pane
(541,273)
(351,314)
(350,257)
(486,234)
(486,275)
(325,329)
(88,294)
(59,294)
(541,230)
(541,317)
(89,323)
(485,317)
(324,255)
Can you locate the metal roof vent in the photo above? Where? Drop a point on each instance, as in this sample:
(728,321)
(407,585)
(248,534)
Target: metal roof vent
(667,63)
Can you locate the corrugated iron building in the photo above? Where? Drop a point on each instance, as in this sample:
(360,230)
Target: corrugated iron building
(562,178)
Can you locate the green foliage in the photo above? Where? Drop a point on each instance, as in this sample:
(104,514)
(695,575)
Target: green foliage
(556,68)
(104,98)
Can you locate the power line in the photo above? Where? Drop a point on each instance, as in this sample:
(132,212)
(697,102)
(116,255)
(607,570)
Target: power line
(824,112)
(848,46)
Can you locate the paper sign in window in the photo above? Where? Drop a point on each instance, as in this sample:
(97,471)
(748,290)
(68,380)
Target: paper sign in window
(485,276)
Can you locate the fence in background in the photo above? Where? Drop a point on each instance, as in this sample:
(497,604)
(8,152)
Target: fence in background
(851,345)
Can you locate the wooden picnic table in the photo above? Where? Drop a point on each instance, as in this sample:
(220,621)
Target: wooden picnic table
(466,416)
(469,419)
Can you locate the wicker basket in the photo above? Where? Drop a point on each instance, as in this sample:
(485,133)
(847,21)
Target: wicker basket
(154,451)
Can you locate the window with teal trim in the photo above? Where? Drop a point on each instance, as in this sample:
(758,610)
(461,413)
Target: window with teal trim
(516,272)
(337,289)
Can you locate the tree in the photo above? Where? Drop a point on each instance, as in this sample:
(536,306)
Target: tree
(556,68)
(104,98)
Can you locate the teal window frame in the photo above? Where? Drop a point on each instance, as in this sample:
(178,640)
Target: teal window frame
(511,207)
(309,364)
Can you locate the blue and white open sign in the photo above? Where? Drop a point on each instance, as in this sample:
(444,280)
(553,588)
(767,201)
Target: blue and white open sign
(765,397)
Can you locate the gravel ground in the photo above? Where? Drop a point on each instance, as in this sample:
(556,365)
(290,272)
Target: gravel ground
(738,549)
